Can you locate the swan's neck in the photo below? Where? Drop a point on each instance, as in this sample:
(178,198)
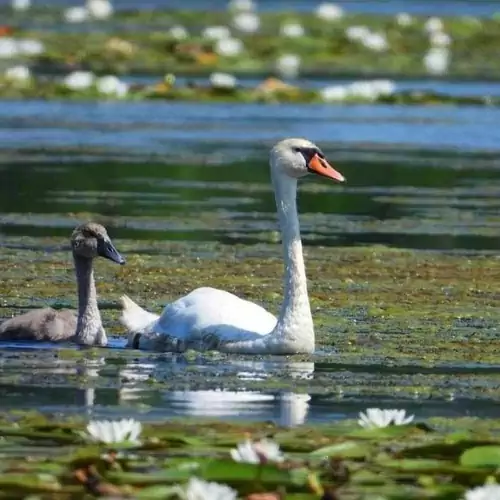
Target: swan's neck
(89,325)
(295,320)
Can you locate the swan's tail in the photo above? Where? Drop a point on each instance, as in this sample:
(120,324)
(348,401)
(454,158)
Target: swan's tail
(136,319)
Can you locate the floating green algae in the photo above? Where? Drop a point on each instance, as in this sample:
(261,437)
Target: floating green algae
(403,305)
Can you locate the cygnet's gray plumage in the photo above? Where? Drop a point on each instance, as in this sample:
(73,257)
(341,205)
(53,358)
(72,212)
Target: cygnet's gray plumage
(88,241)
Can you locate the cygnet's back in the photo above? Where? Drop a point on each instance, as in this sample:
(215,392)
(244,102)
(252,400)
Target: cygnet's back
(40,324)
(88,241)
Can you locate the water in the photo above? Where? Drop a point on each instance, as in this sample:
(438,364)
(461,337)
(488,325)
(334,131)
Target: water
(109,385)
(418,177)
(456,88)
(421,7)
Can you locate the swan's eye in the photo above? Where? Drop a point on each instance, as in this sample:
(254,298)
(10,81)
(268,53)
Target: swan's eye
(308,153)
(297,150)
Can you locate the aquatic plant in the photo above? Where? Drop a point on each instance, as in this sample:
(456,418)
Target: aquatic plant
(189,459)
(197,489)
(256,452)
(486,492)
(112,431)
(375,417)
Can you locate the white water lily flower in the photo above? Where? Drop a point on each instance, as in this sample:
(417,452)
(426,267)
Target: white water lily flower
(329,11)
(375,417)
(363,90)
(437,60)
(223,81)
(76,15)
(486,492)
(433,24)
(440,39)
(178,32)
(111,85)
(247,22)
(384,87)
(99,9)
(356,33)
(375,41)
(292,30)
(404,19)
(216,32)
(8,48)
(288,65)
(20,5)
(256,452)
(334,93)
(30,47)
(117,431)
(241,5)
(197,489)
(18,74)
(229,47)
(79,80)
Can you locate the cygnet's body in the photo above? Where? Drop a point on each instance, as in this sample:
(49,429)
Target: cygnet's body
(88,241)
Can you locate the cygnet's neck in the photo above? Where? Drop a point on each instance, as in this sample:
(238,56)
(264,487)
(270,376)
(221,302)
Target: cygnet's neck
(295,319)
(89,325)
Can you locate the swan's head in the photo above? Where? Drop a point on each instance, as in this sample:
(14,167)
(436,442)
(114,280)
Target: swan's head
(299,157)
(91,240)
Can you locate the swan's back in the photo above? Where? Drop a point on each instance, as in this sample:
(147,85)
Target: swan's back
(40,324)
(212,310)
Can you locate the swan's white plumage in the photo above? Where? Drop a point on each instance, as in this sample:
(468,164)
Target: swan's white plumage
(209,318)
(204,311)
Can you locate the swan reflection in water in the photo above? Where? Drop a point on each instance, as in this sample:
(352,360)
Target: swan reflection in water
(286,408)
(88,370)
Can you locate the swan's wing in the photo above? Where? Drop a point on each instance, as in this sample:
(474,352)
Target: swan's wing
(135,318)
(40,324)
(216,311)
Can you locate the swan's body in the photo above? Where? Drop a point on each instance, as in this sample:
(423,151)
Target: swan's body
(209,318)
(88,241)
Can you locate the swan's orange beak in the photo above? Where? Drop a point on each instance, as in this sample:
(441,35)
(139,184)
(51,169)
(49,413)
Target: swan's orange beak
(320,166)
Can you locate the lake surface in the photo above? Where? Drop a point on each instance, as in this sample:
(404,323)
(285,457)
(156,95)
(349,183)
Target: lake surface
(110,385)
(423,7)
(418,177)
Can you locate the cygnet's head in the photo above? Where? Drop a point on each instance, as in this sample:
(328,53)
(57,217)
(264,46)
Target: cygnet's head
(91,240)
(299,157)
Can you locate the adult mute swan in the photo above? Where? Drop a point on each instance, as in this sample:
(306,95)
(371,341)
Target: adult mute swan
(88,241)
(208,318)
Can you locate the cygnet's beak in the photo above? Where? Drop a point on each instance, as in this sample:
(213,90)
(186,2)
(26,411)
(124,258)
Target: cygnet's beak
(321,167)
(107,250)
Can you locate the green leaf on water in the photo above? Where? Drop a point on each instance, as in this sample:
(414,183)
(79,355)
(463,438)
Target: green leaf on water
(385,432)
(416,465)
(29,483)
(449,450)
(347,449)
(481,456)
(158,492)
(221,471)
(227,470)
